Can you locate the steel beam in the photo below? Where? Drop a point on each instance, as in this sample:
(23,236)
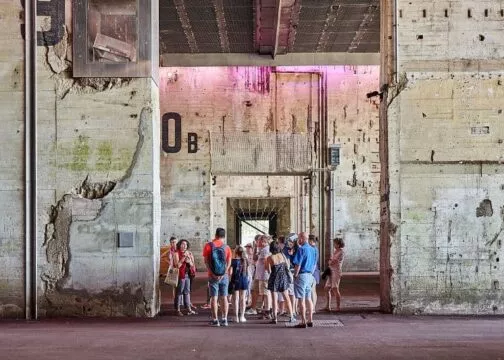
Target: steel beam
(221,24)
(278,17)
(248,59)
(186,25)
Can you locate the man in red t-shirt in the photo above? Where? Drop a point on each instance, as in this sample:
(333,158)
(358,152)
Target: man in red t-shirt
(218,283)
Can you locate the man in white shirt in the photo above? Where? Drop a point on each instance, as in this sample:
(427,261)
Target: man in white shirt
(260,287)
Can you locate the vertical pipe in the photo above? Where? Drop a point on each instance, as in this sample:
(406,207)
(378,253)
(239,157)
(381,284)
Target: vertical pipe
(387,36)
(327,178)
(30,160)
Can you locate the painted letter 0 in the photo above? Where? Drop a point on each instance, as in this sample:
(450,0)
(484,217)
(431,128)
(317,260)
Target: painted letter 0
(165,135)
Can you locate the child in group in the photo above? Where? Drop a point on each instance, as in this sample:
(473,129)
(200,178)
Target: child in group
(239,283)
(335,266)
(251,270)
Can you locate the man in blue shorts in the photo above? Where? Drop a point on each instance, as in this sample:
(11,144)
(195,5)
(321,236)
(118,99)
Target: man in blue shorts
(304,262)
(217,257)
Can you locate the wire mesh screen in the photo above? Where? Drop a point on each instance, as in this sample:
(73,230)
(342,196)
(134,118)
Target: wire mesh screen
(267,153)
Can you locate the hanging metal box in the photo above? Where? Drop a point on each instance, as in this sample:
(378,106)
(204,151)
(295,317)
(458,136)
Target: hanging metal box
(112,38)
(334,154)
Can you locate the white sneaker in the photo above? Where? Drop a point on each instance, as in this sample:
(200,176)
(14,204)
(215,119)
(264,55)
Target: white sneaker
(251,312)
(237,320)
(242,319)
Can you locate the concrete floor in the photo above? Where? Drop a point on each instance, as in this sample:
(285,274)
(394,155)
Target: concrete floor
(370,336)
(365,334)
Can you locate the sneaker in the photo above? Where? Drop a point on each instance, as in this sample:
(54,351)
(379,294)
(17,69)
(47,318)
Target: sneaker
(251,312)
(292,319)
(206,306)
(179,313)
(190,312)
(215,323)
(310,324)
(242,319)
(224,322)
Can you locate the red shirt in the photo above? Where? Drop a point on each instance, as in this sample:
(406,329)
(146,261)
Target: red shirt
(207,251)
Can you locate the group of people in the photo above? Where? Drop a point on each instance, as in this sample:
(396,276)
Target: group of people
(280,274)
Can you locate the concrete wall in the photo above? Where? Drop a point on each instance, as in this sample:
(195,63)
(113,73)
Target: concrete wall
(259,100)
(97,175)
(12,232)
(446,151)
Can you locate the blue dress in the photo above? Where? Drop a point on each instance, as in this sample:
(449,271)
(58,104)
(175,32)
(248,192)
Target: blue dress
(239,279)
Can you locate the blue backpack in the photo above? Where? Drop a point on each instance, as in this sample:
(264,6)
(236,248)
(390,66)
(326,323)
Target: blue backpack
(218,262)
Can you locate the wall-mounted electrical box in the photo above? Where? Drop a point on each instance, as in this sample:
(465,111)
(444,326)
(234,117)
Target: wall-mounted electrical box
(334,155)
(125,239)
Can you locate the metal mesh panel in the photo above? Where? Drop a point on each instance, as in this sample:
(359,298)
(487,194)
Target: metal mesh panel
(268,153)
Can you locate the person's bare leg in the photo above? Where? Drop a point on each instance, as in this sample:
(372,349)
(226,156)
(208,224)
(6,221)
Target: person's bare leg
(275,306)
(237,305)
(255,295)
(314,296)
(269,301)
(303,310)
(310,309)
(213,306)
(338,299)
(243,303)
(225,307)
(294,304)
(328,295)
(289,305)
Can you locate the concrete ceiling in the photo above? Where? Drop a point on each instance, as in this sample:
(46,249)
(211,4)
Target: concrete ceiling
(269,27)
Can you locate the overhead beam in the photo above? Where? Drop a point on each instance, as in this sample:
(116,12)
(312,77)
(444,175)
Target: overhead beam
(372,11)
(278,15)
(296,9)
(332,15)
(221,24)
(186,25)
(291,59)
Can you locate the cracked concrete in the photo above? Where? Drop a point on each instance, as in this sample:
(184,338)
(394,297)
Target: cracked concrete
(87,218)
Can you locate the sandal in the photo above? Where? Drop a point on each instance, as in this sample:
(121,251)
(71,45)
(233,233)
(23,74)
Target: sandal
(179,313)
(191,312)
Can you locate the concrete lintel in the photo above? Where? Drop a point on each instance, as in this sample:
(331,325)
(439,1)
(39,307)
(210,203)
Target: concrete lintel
(247,59)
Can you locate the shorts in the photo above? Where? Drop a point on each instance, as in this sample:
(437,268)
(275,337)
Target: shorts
(303,286)
(218,287)
(261,287)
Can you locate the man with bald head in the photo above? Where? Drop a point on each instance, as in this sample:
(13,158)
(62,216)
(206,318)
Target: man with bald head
(304,262)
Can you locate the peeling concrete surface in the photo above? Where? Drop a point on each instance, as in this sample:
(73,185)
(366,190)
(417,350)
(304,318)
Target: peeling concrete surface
(91,208)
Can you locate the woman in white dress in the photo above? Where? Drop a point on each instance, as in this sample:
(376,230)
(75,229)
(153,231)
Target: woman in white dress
(333,281)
